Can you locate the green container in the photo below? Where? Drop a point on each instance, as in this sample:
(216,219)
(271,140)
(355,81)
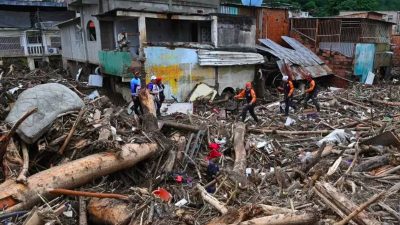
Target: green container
(116,63)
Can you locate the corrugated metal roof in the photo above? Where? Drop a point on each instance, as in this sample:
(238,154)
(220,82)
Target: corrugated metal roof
(300,58)
(223,58)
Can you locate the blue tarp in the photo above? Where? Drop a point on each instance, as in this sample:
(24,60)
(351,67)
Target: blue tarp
(364,60)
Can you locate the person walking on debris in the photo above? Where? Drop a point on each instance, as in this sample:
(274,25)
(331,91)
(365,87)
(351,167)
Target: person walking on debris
(161,87)
(311,92)
(288,90)
(135,87)
(155,91)
(250,96)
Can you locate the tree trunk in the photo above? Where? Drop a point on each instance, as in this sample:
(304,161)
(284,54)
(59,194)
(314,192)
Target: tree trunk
(373,163)
(108,211)
(180,126)
(14,197)
(341,204)
(240,151)
(283,219)
(149,119)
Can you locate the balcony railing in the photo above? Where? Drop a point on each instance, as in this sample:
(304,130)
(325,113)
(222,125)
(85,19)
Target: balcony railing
(35,49)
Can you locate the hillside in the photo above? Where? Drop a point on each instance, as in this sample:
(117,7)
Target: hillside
(332,7)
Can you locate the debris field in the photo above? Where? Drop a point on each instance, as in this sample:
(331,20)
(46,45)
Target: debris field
(101,164)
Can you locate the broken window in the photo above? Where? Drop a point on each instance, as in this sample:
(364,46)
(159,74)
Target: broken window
(91,30)
(163,30)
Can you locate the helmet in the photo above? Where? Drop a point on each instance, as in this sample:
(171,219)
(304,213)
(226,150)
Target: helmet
(285,78)
(153,78)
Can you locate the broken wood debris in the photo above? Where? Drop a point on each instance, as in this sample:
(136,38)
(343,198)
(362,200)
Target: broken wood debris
(272,172)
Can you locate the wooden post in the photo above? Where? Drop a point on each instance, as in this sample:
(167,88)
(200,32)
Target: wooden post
(149,120)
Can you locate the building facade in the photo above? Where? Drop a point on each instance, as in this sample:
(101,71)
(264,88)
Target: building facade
(184,42)
(389,16)
(28,30)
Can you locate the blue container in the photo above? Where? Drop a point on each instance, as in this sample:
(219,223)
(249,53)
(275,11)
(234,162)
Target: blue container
(252,2)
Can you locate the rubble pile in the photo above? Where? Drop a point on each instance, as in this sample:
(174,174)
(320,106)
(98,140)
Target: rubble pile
(100,165)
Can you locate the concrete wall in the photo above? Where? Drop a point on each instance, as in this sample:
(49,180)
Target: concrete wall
(72,44)
(93,47)
(187,6)
(236,31)
(180,71)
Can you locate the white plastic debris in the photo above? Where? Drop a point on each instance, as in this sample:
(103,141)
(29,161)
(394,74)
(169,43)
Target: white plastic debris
(290,122)
(261,144)
(181,203)
(248,172)
(13,90)
(220,141)
(68,213)
(337,136)
(305,157)
(93,95)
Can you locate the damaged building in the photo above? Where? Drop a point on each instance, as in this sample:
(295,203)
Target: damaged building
(184,42)
(28,31)
(349,46)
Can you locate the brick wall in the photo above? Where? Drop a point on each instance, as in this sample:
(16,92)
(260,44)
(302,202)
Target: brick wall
(341,65)
(396,50)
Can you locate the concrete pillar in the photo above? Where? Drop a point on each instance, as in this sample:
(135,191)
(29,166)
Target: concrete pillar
(142,35)
(214,31)
(31,63)
(44,43)
(24,43)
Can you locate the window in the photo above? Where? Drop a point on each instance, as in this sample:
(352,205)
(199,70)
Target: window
(390,18)
(34,37)
(91,30)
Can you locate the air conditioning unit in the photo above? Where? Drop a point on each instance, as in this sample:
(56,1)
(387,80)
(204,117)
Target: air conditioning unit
(53,50)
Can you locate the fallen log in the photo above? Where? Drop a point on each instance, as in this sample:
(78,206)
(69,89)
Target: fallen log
(370,201)
(341,204)
(352,103)
(108,211)
(373,163)
(385,103)
(211,200)
(25,155)
(283,219)
(240,151)
(70,175)
(284,132)
(180,126)
(82,211)
(149,118)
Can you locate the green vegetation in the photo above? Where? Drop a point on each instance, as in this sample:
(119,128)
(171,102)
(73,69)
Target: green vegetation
(332,7)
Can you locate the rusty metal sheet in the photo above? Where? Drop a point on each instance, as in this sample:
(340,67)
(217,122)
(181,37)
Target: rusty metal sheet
(304,52)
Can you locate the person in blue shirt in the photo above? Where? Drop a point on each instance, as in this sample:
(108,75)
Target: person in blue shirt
(135,88)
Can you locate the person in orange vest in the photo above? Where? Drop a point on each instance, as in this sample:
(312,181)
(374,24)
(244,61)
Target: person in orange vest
(250,97)
(288,90)
(311,92)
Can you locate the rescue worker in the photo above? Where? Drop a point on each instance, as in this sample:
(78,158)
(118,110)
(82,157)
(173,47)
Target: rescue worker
(288,90)
(155,92)
(311,92)
(250,97)
(135,88)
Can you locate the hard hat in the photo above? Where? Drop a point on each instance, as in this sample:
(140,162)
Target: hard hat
(153,78)
(285,78)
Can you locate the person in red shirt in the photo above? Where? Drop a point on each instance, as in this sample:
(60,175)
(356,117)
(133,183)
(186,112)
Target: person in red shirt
(311,92)
(250,97)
